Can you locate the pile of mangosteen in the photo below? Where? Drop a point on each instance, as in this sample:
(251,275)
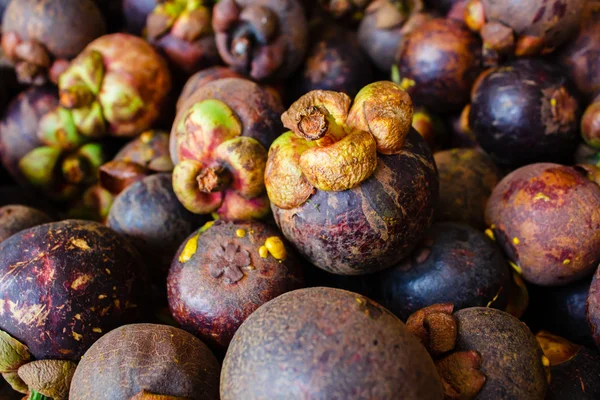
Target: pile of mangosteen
(299,199)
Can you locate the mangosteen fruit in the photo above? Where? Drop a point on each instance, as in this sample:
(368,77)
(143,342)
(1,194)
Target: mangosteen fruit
(431,127)
(590,123)
(574,369)
(14,218)
(223,272)
(203,77)
(352,185)
(454,263)
(64,285)
(326,343)
(40,36)
(148,213)
(263,39)
(525,111)
(334,62)
(467,178)
(219,145)
(438,63)
(147,361)
(546,218)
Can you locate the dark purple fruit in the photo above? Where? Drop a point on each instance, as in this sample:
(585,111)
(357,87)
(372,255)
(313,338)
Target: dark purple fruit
(525,112)
(224,272)
(574,369)
(511,359)
(147,359)
(65,284)
(326,343)
(438,63)
(546,218)
(135,13)
(455,264)
(150,216)
(40,36)
(334,61)
(15,218)
(467,178)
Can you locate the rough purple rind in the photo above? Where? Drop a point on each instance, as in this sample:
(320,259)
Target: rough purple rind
(324,343)
(372,226)
(160,359)
(64,284)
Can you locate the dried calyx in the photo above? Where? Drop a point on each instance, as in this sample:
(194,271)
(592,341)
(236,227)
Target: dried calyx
(43,379)
(557,349)
(231,177)
(436,328)
(187,20)
(333,144)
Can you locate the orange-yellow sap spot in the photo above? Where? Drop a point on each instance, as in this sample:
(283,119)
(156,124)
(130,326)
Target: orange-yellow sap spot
(490,234)
(516,240)
(102,296)
(263,252)
(566,262)
(240,233)
(276,247)
(77,336)
(97,330)
(517,269)
(190,248)
(541,196)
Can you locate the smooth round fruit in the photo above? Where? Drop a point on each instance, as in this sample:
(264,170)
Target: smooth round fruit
(15,218)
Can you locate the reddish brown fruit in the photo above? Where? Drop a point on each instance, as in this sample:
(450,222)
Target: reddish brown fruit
(439,63)
(546,218)
(467,178)
(201,78)
(15,218)
(156,360)
(37,32)
(342,343)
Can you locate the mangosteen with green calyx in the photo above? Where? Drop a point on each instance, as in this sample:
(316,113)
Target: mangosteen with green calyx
(147,362)
(262,39)
(467,178)
(150,216)
(438,63)
(322,343)
(561,310)
(531,28)
(574,369)
(546,219)
(482,353)
(40,36)
(14,218)
(525,111)
(385,25)
(182,31)
(65,284)
(334,62)
(226,270)
(352,185)
(455,264)
(219,143)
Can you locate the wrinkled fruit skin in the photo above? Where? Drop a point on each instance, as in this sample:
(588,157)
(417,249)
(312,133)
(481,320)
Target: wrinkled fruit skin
(515,118)
(213,308)
(579,56)
(511,358)
(135,13)
(325,343)
(546,219)
(282,53)
(201,78)
(18,130)
(467,178)
(553,22)
(561,310)
(372,226)
(334,62)
(86,281)
(157,358)
(455,264)
(150,150)
(15,218)
(63,27)
(439,63)
(150,216)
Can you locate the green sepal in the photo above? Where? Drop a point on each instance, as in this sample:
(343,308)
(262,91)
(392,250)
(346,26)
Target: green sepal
(57,129)
(89,121)
(39,165)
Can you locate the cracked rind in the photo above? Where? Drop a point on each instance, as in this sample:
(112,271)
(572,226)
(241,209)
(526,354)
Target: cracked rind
(546,219)
(157,358)
(326,343)
(65,284)
(214,307)
(374,225)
